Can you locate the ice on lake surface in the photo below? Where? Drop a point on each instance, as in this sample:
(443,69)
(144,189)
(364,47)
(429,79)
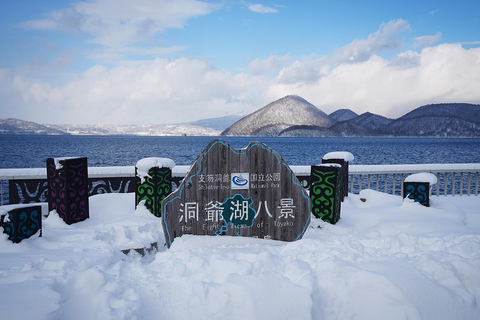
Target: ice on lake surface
(387,258)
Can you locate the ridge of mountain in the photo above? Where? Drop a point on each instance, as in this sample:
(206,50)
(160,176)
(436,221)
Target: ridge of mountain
(138,130)
(289,116)
(278,115)
(219,123)
(342,115)
(464,111)
(17,126)
(439,120)
(370,121)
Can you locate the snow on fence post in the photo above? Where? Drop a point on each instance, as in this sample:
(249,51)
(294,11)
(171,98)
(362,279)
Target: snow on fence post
(343,158)
(326,191)
(417,187)
(67,180)
(22,222)
(154,183)
(249,192)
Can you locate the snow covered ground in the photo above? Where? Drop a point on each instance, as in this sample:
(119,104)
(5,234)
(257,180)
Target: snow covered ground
(385,259)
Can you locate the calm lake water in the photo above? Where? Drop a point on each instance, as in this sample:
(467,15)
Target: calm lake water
(30,151)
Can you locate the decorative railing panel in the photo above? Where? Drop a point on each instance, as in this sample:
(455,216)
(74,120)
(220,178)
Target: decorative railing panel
(30,185)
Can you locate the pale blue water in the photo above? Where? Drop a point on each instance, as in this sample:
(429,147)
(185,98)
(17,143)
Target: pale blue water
(27,151)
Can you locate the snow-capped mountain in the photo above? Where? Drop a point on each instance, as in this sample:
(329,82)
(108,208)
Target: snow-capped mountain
(289,116)
(440,120)
(277,116)
(17,126)
(342,115)
(138,130)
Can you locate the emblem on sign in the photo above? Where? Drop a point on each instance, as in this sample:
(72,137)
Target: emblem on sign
(240,181)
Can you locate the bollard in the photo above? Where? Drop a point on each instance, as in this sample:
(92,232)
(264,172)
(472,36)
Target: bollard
(326,191)
(417,187)
(22,222)
(154,183)
(67,180)
(342,158)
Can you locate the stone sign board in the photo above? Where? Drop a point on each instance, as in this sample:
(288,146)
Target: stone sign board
(248,192)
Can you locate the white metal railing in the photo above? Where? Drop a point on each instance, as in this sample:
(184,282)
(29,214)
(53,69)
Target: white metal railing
(453,179)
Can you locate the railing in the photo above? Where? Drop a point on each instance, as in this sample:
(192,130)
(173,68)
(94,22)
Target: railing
(453,179)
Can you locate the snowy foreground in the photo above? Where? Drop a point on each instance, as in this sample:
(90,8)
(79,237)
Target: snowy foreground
(385,259)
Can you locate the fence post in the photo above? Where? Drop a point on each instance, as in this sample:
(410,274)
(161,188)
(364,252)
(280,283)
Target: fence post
(417,187)
(154,182)
(326,191)
(22,223)
(342,158)
(67,180)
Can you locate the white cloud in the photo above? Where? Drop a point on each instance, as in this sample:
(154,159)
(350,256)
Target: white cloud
(158,91)
(260,8)
(445,73)
(310,70)
(387,37)
(307,70)
(426,41)
(119,23)
(178,90)
(271,64)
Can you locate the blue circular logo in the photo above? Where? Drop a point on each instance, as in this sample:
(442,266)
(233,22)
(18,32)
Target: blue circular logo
(239,181)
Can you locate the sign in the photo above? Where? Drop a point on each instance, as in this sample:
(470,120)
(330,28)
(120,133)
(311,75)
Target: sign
(248,192)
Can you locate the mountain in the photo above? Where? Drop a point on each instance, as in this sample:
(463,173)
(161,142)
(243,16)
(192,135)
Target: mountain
(370,121)
(308,131)
(290,116)
(137,130)
(439,120)
(348,129)
(219,124)
(366,124)
(277,116)
(342,115)
(17,126)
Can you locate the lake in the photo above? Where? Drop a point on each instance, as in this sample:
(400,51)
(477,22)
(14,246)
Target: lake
(30,151)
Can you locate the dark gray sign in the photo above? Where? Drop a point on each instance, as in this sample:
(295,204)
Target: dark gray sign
(248,192)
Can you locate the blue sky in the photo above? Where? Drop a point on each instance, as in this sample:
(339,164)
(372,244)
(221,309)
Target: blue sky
(157,61)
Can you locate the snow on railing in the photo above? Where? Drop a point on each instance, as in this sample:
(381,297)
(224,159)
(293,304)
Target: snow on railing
(453,179)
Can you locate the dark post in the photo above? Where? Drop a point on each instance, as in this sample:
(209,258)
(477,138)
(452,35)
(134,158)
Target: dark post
(342,158)
(417,191)
(22,223)
(326,192)
(417,187)
(68,188)
(154,183)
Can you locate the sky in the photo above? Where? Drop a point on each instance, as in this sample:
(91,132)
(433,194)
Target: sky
(160,61)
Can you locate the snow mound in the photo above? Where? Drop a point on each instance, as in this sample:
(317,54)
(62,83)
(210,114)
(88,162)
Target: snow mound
(422,177)
(387,258)
(345,155)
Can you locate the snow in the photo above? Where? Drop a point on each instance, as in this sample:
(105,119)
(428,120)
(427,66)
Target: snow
(334,165)
(422,177)
(387,258)
(58,161)
(345,155)
(144,165)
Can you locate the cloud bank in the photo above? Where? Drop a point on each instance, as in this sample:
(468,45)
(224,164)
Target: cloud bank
(163,90)
(118,24)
